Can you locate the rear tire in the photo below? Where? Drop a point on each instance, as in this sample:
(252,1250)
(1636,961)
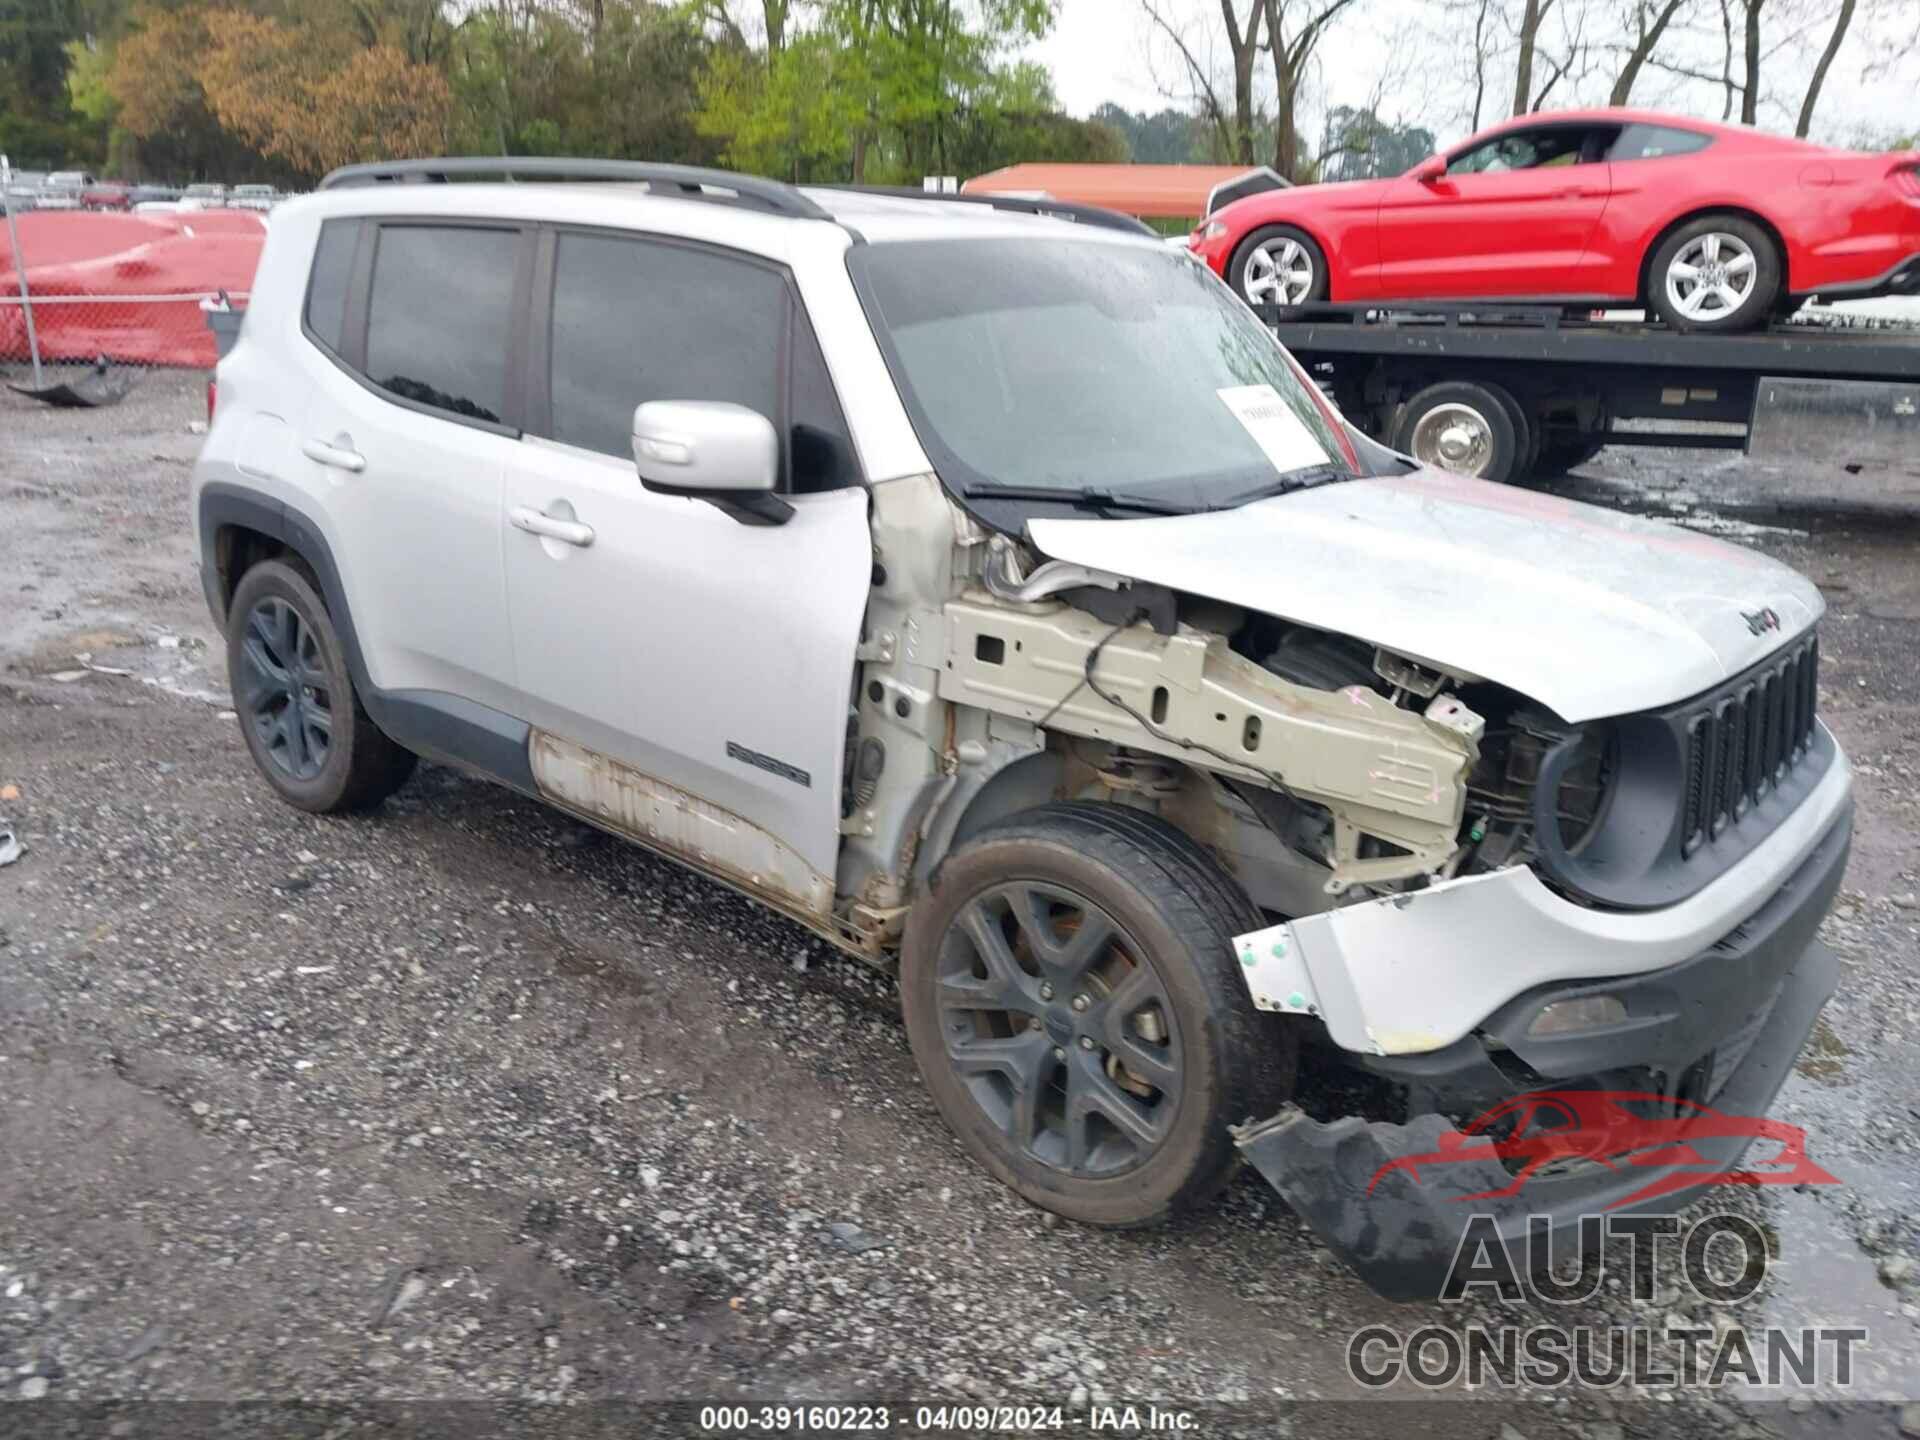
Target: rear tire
(1717,274)
(300,715)
(1096,1078)
(1466,427)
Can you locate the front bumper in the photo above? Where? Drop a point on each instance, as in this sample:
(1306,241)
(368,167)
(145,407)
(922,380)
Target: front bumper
(1725,1025)
(1413,974)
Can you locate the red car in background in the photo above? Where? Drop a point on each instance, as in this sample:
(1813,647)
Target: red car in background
(1712,227)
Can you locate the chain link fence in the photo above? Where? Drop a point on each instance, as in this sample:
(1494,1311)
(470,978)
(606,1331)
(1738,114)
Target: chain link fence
(90,301)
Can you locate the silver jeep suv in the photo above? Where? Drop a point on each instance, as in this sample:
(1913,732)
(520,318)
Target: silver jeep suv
(989,593)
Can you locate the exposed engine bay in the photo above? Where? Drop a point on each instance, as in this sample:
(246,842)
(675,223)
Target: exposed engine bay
(1382,772)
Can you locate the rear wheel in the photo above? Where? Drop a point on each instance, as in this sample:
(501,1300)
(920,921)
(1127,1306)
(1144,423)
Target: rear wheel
(1468,427)
(302,719)
(1074,1004)
(1717,273)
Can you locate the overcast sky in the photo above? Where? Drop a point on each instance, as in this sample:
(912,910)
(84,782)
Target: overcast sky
(1105,50)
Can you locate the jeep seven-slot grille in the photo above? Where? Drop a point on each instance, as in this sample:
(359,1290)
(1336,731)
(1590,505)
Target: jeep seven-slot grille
(1744,738)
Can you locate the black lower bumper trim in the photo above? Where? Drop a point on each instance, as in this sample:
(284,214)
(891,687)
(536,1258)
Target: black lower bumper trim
(1401,1234)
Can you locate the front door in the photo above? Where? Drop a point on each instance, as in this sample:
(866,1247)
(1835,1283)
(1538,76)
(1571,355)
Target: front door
(693,672)
(1510,218)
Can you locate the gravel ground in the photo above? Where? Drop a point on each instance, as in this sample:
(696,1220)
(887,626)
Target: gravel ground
(468,1101)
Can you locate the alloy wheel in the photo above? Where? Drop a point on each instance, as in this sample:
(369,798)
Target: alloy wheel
(1279,272)
(1712,276)
(1060,1029)
(287,697)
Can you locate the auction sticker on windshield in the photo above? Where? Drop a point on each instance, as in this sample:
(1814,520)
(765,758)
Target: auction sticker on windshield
(1275,428)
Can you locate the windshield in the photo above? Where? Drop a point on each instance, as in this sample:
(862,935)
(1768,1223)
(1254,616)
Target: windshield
(1084,367)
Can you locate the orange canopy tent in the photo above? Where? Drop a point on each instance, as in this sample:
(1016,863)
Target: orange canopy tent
(1149,191)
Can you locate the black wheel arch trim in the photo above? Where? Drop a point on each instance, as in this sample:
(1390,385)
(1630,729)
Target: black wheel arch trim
(433,723)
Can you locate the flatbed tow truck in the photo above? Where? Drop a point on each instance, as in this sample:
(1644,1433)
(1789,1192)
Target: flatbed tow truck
(1507,391)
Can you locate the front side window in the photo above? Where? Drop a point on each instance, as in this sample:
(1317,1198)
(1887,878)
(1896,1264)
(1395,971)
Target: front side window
(1521,150)
(440,320)
(1655,142)
(1066,365)
(639,320)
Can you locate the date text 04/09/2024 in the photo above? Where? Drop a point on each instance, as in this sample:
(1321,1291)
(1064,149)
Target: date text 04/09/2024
(743,1420)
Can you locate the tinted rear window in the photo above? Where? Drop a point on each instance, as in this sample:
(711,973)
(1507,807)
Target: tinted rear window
(439,326)
(1652,142)
(327,290)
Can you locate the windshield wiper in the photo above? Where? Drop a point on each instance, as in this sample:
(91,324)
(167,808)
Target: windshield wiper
(1305,478)
(1086,497)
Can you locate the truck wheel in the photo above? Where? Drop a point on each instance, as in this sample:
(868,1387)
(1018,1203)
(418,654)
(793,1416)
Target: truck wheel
(1466,427)
(303,722)
(1074,1005)
(1717,272)
(1279,265)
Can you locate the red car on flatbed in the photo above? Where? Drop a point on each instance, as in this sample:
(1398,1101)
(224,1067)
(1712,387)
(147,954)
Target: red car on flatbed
(1712,227)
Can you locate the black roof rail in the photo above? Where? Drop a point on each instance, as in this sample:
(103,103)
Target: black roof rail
(689,182)
(1023,204)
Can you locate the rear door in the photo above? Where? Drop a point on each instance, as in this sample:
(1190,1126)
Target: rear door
(712,660)
(407,433)
(1511,217)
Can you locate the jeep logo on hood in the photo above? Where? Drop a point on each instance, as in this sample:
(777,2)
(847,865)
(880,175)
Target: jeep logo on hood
(1762,620)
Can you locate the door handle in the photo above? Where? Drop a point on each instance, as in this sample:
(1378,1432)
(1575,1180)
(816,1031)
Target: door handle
(567,532)
(335,457)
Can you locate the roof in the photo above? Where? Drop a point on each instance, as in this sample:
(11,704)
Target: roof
(1627,115)
(875,218)
(1158,190)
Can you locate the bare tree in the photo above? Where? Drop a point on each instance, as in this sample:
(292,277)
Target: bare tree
(1292,53)
(1234,131)
(1482,58)
(1834,40)
(1650,21)
(1726,59)
(1571,60)
(1528,36)
(1750,91)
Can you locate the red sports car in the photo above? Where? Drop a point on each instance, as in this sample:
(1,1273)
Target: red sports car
(1714,227)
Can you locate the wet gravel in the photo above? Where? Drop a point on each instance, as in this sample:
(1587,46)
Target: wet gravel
(466,1100)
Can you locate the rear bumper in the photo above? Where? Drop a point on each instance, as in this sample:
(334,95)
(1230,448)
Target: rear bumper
(1725,1026)
(1902,278)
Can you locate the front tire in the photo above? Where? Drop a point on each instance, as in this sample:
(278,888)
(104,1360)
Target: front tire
(303,721)
(1074,1005)
(1279,265)
(1718,273)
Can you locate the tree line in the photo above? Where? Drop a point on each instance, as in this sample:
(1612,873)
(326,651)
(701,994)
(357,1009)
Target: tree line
(1247,76)
(877,91)
(874,91)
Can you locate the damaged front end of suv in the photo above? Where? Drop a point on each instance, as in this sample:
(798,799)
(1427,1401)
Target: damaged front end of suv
(1512,795)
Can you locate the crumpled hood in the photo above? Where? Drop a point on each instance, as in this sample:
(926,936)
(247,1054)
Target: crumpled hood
(1586,611)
